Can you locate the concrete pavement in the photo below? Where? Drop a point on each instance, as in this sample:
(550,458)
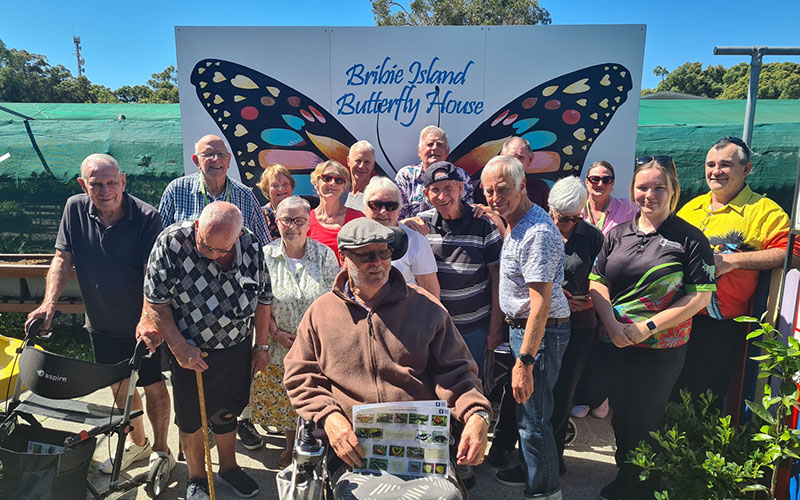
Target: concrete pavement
(590,464)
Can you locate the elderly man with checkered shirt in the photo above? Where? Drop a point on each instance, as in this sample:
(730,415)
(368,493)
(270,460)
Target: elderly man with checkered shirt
(206,289)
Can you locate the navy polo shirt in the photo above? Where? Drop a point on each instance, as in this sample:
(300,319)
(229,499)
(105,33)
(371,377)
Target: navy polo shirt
(109,261)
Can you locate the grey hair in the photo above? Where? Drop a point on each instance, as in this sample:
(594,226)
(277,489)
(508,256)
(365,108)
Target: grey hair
(510,168)
(98,158)
(568,195)
(432,129)
(380,183)
(507,145)
(744,155)
(293,202)
(222,216)
(361,145)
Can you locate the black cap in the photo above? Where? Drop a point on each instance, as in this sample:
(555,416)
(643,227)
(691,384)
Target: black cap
(363,231)
(441,171)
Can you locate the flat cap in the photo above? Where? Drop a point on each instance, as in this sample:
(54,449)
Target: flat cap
(363,231)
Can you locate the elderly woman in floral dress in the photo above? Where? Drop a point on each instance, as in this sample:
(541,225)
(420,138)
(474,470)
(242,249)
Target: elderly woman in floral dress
(300,269)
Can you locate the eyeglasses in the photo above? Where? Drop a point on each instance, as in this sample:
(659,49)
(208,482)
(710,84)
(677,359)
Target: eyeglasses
(376,205)
(738,142)
(332,178)
(297,221)
(663,160)
(208,248)
(598,179)
(384,254)
(214,154)
(564,219)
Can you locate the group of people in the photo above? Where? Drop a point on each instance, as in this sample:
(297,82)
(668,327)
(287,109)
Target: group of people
(400,290)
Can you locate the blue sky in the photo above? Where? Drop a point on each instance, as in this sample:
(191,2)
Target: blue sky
(124,42)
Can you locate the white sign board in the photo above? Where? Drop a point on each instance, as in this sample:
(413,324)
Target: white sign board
(301,95)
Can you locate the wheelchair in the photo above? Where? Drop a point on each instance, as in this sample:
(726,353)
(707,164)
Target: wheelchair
(38,462)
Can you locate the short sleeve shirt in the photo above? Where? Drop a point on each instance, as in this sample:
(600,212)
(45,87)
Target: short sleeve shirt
(414,201)
(186,197)
(418,259)
(109,261)
(213,307)
(750,222)
(533,252)
(464,248)
(646,273)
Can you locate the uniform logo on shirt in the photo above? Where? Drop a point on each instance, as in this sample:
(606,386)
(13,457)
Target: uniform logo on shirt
(733,242)
(671,244)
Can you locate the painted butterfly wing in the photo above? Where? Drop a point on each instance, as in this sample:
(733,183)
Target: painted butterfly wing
(560,118)
(266,121)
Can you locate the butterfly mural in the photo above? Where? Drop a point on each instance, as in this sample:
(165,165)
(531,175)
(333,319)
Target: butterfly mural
(266,121)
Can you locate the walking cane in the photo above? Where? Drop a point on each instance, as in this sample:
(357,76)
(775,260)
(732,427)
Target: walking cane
(206,445)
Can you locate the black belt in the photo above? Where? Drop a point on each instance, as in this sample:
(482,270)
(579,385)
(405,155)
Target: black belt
(521,322)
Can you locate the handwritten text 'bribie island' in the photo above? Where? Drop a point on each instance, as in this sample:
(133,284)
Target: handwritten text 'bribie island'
(405,107)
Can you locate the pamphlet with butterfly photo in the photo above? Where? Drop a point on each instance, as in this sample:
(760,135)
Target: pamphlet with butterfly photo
(404,438)
(301,96)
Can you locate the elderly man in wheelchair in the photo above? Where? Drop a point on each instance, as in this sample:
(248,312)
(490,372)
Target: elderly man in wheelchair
(374,339)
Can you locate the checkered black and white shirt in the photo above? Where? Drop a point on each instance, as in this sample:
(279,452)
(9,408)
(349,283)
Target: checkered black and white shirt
(212,308)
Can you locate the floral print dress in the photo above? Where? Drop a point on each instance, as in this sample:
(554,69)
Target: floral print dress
(294,289)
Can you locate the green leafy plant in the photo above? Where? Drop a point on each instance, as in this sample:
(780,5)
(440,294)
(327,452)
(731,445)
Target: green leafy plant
(700,455)
(779,362)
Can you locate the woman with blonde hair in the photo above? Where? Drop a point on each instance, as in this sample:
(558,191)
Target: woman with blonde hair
(652,275)
(276,184)
(331,180)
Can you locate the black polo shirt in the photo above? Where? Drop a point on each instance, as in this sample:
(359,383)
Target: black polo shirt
(109,261)
(646,273)
(580,250)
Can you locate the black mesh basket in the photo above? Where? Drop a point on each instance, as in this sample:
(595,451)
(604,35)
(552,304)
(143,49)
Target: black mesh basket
(34,465)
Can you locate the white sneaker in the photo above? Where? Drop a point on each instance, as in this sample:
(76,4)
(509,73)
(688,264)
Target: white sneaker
(580,411)
(155,455)
(133,453)
(601,411)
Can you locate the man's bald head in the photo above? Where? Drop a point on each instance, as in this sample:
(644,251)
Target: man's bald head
(98,160)
(518,148)
(221,218)
(209,140)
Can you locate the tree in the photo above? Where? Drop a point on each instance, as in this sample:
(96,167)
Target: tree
(777,81)
(691,78)
(660,71)
(458,12)
(164,85)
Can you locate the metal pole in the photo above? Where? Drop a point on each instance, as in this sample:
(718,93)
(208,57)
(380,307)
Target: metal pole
(752,96)
(756,54)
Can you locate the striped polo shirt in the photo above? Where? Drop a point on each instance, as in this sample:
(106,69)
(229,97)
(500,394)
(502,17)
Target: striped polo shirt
(464,249)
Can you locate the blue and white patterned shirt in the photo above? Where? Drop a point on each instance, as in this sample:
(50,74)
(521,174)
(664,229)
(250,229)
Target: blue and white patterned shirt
(213,308)
(532,253)
(185,197)
(409,180)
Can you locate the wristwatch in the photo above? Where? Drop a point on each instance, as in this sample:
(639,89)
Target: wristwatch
(651,326)
(484,415)
(261,347)
(527,359)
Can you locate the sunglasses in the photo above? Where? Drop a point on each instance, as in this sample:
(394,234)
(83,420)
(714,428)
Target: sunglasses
(208,248)
(384,254)
(297,221)
(332,178)
(738,142)
(376,205)
(663,160)
(564,219)
(601,179)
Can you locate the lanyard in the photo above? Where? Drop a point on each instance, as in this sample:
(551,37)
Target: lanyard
(227,191)
(599,223)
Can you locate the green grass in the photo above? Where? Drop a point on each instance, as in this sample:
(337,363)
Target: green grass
(68,336)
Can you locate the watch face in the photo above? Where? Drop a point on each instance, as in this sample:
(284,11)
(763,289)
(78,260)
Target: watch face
(527,359)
